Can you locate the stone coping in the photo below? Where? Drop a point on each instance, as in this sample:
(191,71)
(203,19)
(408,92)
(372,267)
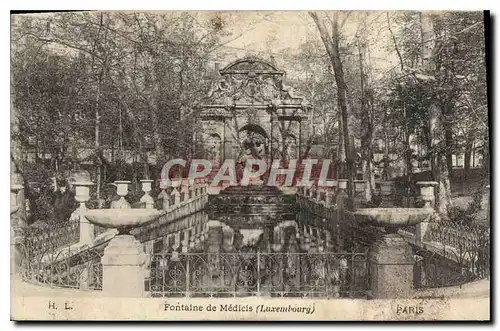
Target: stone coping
(478,289)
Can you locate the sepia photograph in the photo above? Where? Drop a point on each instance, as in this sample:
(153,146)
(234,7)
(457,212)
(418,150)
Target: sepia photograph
(250,165)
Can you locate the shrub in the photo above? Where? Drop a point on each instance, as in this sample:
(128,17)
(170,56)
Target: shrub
(469,214)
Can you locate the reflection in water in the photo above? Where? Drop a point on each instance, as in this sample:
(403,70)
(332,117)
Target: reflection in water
(300,257)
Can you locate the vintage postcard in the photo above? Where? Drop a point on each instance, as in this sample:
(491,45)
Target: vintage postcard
(243,165)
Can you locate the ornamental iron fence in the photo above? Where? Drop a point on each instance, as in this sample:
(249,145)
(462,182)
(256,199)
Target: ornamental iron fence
(62,267)
(48,237)
(326,275)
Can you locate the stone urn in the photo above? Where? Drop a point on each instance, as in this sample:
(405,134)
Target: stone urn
(122,191)
(147,199)
(82,195)
(342,183)
(125,265)
(386,189)
(427,192)
(391,257)
(15,203)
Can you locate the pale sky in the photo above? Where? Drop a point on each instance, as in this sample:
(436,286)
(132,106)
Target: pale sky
(263,33)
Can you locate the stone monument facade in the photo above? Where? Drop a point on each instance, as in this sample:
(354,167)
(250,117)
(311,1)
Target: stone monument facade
(249,113)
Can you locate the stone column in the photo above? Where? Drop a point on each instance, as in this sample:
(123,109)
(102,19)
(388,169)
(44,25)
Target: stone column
(82,190)
(124,267)
(391,267)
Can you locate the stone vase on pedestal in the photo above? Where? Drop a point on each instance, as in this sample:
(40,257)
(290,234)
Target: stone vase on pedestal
(122,191)
(82,195)
(391,258)
(125,265)
(147,199)
(386,188)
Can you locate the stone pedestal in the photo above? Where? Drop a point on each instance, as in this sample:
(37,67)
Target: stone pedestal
(124,268)
(87,235)
(391,267)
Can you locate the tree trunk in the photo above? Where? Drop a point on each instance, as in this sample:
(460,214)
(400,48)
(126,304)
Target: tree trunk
(366,138)
(439,164)
(332,48)
(448,138)
(340,150)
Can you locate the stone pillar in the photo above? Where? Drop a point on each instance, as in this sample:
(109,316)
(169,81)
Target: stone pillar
(147,199)
(124,268)
(427,196)
(82,195)
(391,267)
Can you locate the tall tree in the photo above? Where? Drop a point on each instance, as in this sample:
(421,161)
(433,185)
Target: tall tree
(331,43)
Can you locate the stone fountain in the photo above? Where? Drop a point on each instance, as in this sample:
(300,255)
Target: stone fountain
(391,257)
(124,261)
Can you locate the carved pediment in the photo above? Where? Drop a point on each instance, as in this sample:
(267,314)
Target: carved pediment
(251,65)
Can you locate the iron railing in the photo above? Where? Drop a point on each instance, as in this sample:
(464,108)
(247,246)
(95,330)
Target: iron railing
(433,270)
(457,235)
(326,275)
(62,267)
(45,238)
